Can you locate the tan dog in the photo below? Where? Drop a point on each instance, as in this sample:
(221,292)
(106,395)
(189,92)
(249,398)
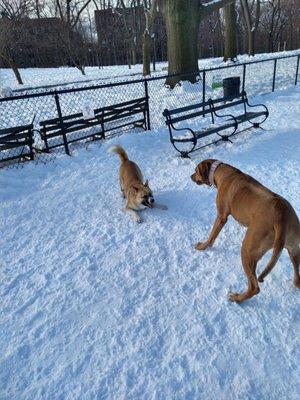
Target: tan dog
(270,219)
(138,194)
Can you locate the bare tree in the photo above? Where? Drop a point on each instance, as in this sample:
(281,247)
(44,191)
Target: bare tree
(251,14)
(149,18)
(230,46)
(70,12)
(16,9)
(8,45)
(274,20)
(182,19)
(12,11)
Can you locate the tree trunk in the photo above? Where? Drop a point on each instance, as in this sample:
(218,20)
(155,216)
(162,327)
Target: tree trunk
(251,50)
(16,71)
(133,54)
(146,54)
(230,51)
(80,67)
(182,26)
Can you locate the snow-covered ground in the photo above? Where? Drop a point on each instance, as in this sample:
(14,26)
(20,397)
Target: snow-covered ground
(36,77)
(95,306)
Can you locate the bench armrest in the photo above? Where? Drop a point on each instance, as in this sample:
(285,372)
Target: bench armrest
(194,139)
(256,105)
(214,112)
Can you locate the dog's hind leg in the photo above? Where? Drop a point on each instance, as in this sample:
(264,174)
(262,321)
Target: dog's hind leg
(250,258)
(295,258)
(122,189)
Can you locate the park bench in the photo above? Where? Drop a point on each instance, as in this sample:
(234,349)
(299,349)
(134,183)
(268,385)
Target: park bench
(211,109)
(60,131)
(16,143)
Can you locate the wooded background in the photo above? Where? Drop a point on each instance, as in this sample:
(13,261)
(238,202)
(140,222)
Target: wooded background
(51,33)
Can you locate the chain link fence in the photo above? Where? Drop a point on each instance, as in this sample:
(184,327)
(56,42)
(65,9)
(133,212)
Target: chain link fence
(53,111)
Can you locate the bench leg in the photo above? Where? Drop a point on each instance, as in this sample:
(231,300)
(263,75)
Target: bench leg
(184,154)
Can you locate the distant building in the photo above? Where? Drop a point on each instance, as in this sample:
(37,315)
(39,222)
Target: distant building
(37,42)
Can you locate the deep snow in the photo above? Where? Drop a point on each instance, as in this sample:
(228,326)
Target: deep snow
(95,306)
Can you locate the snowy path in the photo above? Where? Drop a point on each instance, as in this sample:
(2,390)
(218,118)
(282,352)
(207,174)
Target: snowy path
(95,306)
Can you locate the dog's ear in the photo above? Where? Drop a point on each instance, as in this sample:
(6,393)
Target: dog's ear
(203,170)
(146,184)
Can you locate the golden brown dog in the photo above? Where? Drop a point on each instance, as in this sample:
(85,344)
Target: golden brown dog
(138,194)
(270,219)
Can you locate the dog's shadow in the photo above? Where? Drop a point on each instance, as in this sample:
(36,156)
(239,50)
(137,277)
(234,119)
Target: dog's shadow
(188,204)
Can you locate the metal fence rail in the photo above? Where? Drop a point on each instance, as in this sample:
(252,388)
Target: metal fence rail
(256,77)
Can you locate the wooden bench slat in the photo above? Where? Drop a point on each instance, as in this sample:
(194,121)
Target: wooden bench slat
(14,136)
(10,145)
(15,129)
(188,108)
(250,115)
(228,105)
(206,132)
(189,116)
(226,99)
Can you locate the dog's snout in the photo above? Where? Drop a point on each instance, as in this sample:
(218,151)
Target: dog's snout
(151,200)
(193,178)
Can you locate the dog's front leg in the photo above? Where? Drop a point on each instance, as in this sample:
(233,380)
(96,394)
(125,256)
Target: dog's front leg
(134,214)
(218,225)
(160,206)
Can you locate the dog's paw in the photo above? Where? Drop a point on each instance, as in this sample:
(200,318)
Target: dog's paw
(234,297)
(138,219)
(201,245)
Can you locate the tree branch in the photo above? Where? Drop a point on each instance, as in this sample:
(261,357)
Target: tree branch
(214,5)
(80,12)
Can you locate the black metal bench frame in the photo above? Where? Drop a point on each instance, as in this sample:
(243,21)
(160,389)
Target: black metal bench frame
(62,126)
(17,137)
(212,107)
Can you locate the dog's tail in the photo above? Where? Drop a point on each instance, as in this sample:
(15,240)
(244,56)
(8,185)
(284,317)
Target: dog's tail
(119,150)
(278,245)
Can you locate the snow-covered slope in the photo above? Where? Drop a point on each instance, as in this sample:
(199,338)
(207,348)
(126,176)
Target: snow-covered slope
(95,306)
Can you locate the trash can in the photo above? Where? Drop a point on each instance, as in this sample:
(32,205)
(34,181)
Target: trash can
(231,86)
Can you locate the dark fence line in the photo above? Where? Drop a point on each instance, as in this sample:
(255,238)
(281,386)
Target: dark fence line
(75,120)
(154,78)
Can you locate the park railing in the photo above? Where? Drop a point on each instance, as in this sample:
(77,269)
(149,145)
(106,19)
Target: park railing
(256,77)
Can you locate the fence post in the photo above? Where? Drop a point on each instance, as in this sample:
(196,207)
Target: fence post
(61,124)
(147,105)
(244,77)
(297,70)
(203,89)
(274,74)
